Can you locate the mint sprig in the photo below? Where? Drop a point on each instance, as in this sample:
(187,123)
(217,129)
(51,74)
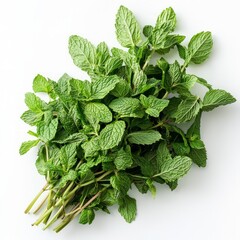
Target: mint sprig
(97,138)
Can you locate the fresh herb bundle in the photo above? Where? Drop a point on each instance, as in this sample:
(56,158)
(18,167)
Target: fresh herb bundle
(124,127)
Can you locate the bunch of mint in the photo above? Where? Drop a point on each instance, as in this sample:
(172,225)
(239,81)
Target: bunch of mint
(124,127)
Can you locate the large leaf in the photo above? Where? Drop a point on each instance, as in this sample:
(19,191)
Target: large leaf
(215,98)
(127,107)
(167,16)
(175,168)
(97,112)
(199,48)
(187,110)
(47,132)
(127,28)
(82,52)
(144,137)
(127,208)
(111,135)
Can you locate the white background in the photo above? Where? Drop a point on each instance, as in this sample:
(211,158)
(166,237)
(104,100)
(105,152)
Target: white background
(33,39)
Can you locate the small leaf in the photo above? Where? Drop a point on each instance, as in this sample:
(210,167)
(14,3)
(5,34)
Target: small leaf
(26,146)
(215,98)
(175,168)
(199,48)
(40,84)
(127,28)
(82,52)
(163,153)
(199,156)
(111,64)
(32,118)
(86,216)
(153,105)
(127,208)
(123,159)
(70,176)
(111,135)
(144,137)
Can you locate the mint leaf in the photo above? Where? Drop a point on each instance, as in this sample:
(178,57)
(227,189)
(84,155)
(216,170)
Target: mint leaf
(41,84)
(47,132)
(126,107)
(153,105)
(175,168)
(144,137)
(26,146)
(199,48)
(187,110)
(111,64)
(123,159)
(111,135)
(121,182)
(102,86)
(80,90)
(34,103)
(215,98)
(167,16)
(102,53)
(127,208)
(199,156)
(32,118)
(91,147)
(163,153)
(97,112)
(82,52)
(68,156)
(127,28)
(87,216)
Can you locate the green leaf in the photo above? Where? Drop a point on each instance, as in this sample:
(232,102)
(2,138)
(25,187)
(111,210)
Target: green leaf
(144,137)
(32,118)
(171,40)
(194,129)
(40,84)
(147,30)
(111,135)
(34,103)
(123,159)
(127,208)
(121,89)
(163,153)
(102,53)
(153,105)
(175,168)
(111,64)
(82,52)
(198,156)
(180,148)
(127,29)
(70,176)
(188,81)
(86,216)
(175,72)
(47,132)
(167,16)
(80,90)
(197,144)
(91,147)
(97,112)
(199,48)
(121,182)
(102,86)
(187,110)
(26,146)
(215,98)
(126,107)
(68,156)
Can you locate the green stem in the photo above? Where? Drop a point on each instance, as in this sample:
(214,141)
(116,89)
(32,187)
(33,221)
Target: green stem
(29,207)
(137,176)
(148,59)
(40,205)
